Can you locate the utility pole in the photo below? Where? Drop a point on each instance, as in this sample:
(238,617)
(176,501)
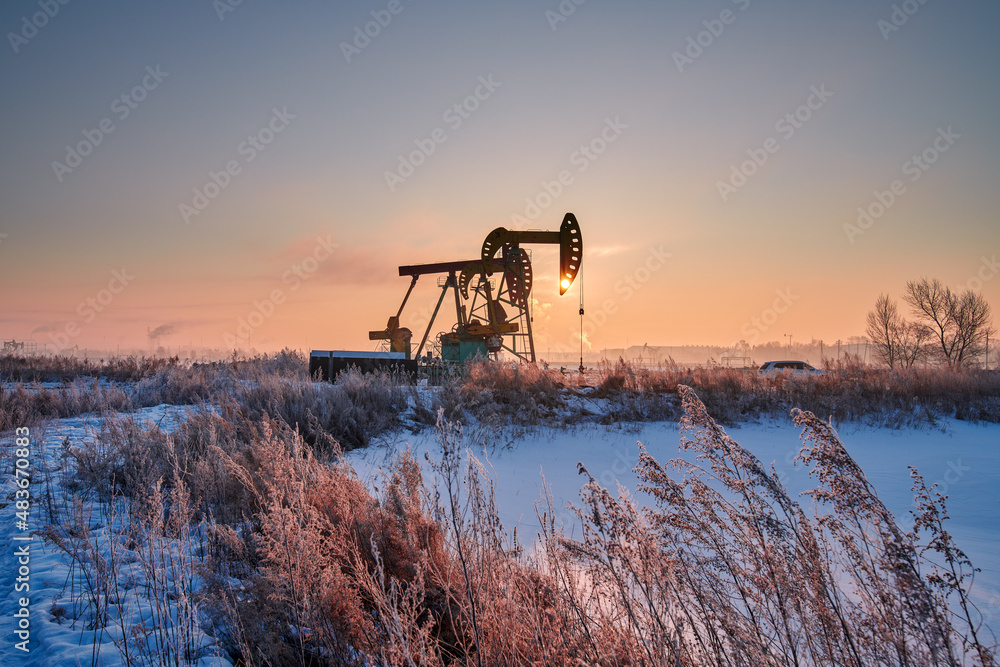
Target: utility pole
(581,329)
(789,344)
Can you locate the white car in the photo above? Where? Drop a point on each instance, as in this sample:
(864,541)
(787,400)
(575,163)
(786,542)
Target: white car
(792,366)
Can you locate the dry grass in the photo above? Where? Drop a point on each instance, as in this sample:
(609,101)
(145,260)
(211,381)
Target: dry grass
(511,393)
(28,406)
(351,411)
(45,368)
(357,408)
(845,392)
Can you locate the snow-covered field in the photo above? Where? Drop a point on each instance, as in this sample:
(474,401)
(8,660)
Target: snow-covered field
(962,458)
(52,577)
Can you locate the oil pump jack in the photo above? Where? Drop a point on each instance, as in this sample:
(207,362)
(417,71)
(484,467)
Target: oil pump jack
(492,295)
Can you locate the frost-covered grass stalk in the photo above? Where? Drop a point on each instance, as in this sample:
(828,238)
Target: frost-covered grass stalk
(728,569)
(162,533)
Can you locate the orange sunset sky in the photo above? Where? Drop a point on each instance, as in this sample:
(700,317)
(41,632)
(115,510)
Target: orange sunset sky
(169,169)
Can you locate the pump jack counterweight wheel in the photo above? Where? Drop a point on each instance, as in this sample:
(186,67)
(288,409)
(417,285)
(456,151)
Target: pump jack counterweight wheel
(570,252)
(517,272)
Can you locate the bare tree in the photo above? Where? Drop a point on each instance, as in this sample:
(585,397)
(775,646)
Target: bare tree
(958,324)
(932,304)
(973,319)
(884,323)
(898,343)
(912,343)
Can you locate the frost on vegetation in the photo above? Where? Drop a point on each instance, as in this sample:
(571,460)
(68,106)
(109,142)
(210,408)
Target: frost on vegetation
(240,534)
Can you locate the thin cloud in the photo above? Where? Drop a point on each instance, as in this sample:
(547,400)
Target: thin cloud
(163,330)
(605,250)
